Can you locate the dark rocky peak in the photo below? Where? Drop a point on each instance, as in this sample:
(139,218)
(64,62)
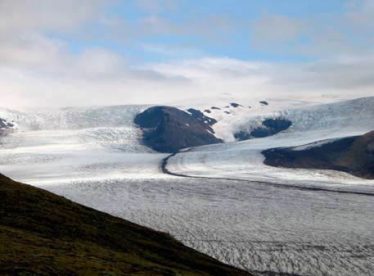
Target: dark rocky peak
(277,124)
(5,127)
(214,107)
(168,129)
(268,127)
(235,105)
(5,124)
(264,103)
(198,115)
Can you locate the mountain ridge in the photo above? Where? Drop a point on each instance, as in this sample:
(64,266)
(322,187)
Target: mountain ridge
(354,155)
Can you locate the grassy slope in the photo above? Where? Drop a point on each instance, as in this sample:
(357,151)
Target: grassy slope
(41,233)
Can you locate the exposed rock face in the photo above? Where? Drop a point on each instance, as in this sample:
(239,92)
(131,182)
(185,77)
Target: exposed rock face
(269,127)
(354,155)
(264,103)
(5,127)
(168,129)
(198,115)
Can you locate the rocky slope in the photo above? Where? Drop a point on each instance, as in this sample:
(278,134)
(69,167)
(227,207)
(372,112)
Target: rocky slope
(5,127)
(354,155)
(44,234)
(168,129)
(268,127)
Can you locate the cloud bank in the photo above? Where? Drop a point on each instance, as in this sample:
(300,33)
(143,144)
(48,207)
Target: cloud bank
(41,64)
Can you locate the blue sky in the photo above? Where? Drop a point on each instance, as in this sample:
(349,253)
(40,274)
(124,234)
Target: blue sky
(232,36)
(94,52)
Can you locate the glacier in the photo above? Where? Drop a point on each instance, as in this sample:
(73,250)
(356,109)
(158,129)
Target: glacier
(228,204)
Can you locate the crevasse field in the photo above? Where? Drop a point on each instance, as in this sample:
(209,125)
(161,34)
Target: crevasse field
(226,203)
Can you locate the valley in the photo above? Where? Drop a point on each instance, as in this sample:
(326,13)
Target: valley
(228,204)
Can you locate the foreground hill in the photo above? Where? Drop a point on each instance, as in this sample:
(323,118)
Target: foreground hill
(42,233)
(354,155)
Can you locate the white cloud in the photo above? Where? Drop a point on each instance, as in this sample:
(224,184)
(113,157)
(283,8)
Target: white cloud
(39,70)
(276,28)
(25,15)
(157,6)
(361,12)
(349,75)
(95,78)
(323,35)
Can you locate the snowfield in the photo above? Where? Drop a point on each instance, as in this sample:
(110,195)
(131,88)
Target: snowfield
(243,160)
(76,144)
(228,204)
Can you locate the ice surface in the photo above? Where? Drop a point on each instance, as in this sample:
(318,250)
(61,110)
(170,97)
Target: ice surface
(251,225)
(243,160)
(76,144)
(240,211)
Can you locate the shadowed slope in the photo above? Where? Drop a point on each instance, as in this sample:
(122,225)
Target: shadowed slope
(354,155)
(42,233)
(168,129)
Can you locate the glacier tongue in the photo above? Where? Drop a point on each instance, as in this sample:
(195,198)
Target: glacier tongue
(76,144)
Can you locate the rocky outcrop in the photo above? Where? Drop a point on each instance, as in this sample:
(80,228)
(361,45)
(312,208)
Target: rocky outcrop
(354,155)
(5,127)
(235,105)
(168,129)
(269,127)
(198,115)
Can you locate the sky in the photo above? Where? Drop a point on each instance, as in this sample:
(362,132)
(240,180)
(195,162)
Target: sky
(56,53)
